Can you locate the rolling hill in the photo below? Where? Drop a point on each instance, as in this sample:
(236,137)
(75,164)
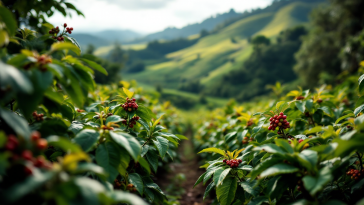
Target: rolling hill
(225,50)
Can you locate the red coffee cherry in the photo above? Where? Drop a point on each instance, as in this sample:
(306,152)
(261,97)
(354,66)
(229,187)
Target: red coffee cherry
(42,144)
(64,25)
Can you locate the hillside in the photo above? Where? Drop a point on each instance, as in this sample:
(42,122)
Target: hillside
(173,33)
(105,38)
(225,50)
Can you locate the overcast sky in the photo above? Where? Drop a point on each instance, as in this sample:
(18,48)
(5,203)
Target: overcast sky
(147,16)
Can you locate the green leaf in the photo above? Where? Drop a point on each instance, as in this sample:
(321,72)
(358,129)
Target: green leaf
(181,137)
(214,150)
(7,17)
(359,109)
(251,187)
(144,164)
(271,148)
(152,158)
(145,113)
(128,93)
(128,142)
(114,118)
(65,46)
(314,130)
(162,145)
(124,197)
(13,78)
(230,136)
(199,180)
(87,138)
(95,66)
(91,167)
(301,106)
(264,165)
(137,181)
(208,189)
(74,42)
(223,176)
(148,182)
(108,157)
(279,169)
(281,106)
(317,183)
(145,124)
(155,123)
(285,145)
(226,192)
(212,171)
(30,184)
(344,117)
(361,85)
(63,143)
(17,123)
(308,158)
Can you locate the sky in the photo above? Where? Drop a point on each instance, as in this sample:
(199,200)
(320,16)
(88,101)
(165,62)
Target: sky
(148,16)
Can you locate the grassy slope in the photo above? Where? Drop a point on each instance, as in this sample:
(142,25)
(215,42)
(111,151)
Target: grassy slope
(215,55)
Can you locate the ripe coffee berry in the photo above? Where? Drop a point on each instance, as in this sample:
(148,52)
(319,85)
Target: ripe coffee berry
(42,144)
(27,155)
(319,101)
(300,98)
(233,163)
(279,121)
(38,117)
(132,121)
(35,136)
(64,25)
(300,140)
(130,105)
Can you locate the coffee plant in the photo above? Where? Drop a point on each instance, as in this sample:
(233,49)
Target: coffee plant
(66,140)
(304,148)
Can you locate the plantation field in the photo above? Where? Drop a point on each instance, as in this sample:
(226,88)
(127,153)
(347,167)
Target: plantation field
(214,55)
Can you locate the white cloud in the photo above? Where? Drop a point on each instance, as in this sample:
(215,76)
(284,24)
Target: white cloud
(149,15)
(140,4)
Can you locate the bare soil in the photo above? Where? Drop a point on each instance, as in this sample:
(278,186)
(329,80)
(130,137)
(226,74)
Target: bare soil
(189,167)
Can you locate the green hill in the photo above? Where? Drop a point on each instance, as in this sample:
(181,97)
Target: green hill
(221,52)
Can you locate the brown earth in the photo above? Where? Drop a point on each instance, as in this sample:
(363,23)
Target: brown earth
(189,167)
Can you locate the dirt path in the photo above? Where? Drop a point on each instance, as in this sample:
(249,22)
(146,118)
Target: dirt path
(188,167)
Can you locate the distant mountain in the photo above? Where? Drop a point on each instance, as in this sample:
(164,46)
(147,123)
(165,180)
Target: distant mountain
(105,38)
(174,33)
(118,35)
(86,39)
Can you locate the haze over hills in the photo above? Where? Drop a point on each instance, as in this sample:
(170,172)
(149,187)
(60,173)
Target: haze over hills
(107,37)
(226,49)
(173,33)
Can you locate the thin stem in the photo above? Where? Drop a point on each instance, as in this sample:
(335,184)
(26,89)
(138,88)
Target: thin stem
(361,163)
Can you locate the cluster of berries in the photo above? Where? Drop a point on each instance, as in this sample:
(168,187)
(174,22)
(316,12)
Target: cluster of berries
(132,122)
(56,31)
(117,184)
(246,140)
(233,162)
(131,188)
(355,174)
(130,105)
(300,98)
(279,121)
(300,185)
(42,61)
(249,123)
(79,110)
(38,117)
(104,127)
(19,154)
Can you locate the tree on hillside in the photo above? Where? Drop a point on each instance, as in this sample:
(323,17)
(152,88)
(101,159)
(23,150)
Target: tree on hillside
(269,63)
(331,27)
(117,55)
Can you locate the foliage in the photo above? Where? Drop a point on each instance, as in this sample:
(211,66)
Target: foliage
(317,160)
(331,28)
(66,140)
